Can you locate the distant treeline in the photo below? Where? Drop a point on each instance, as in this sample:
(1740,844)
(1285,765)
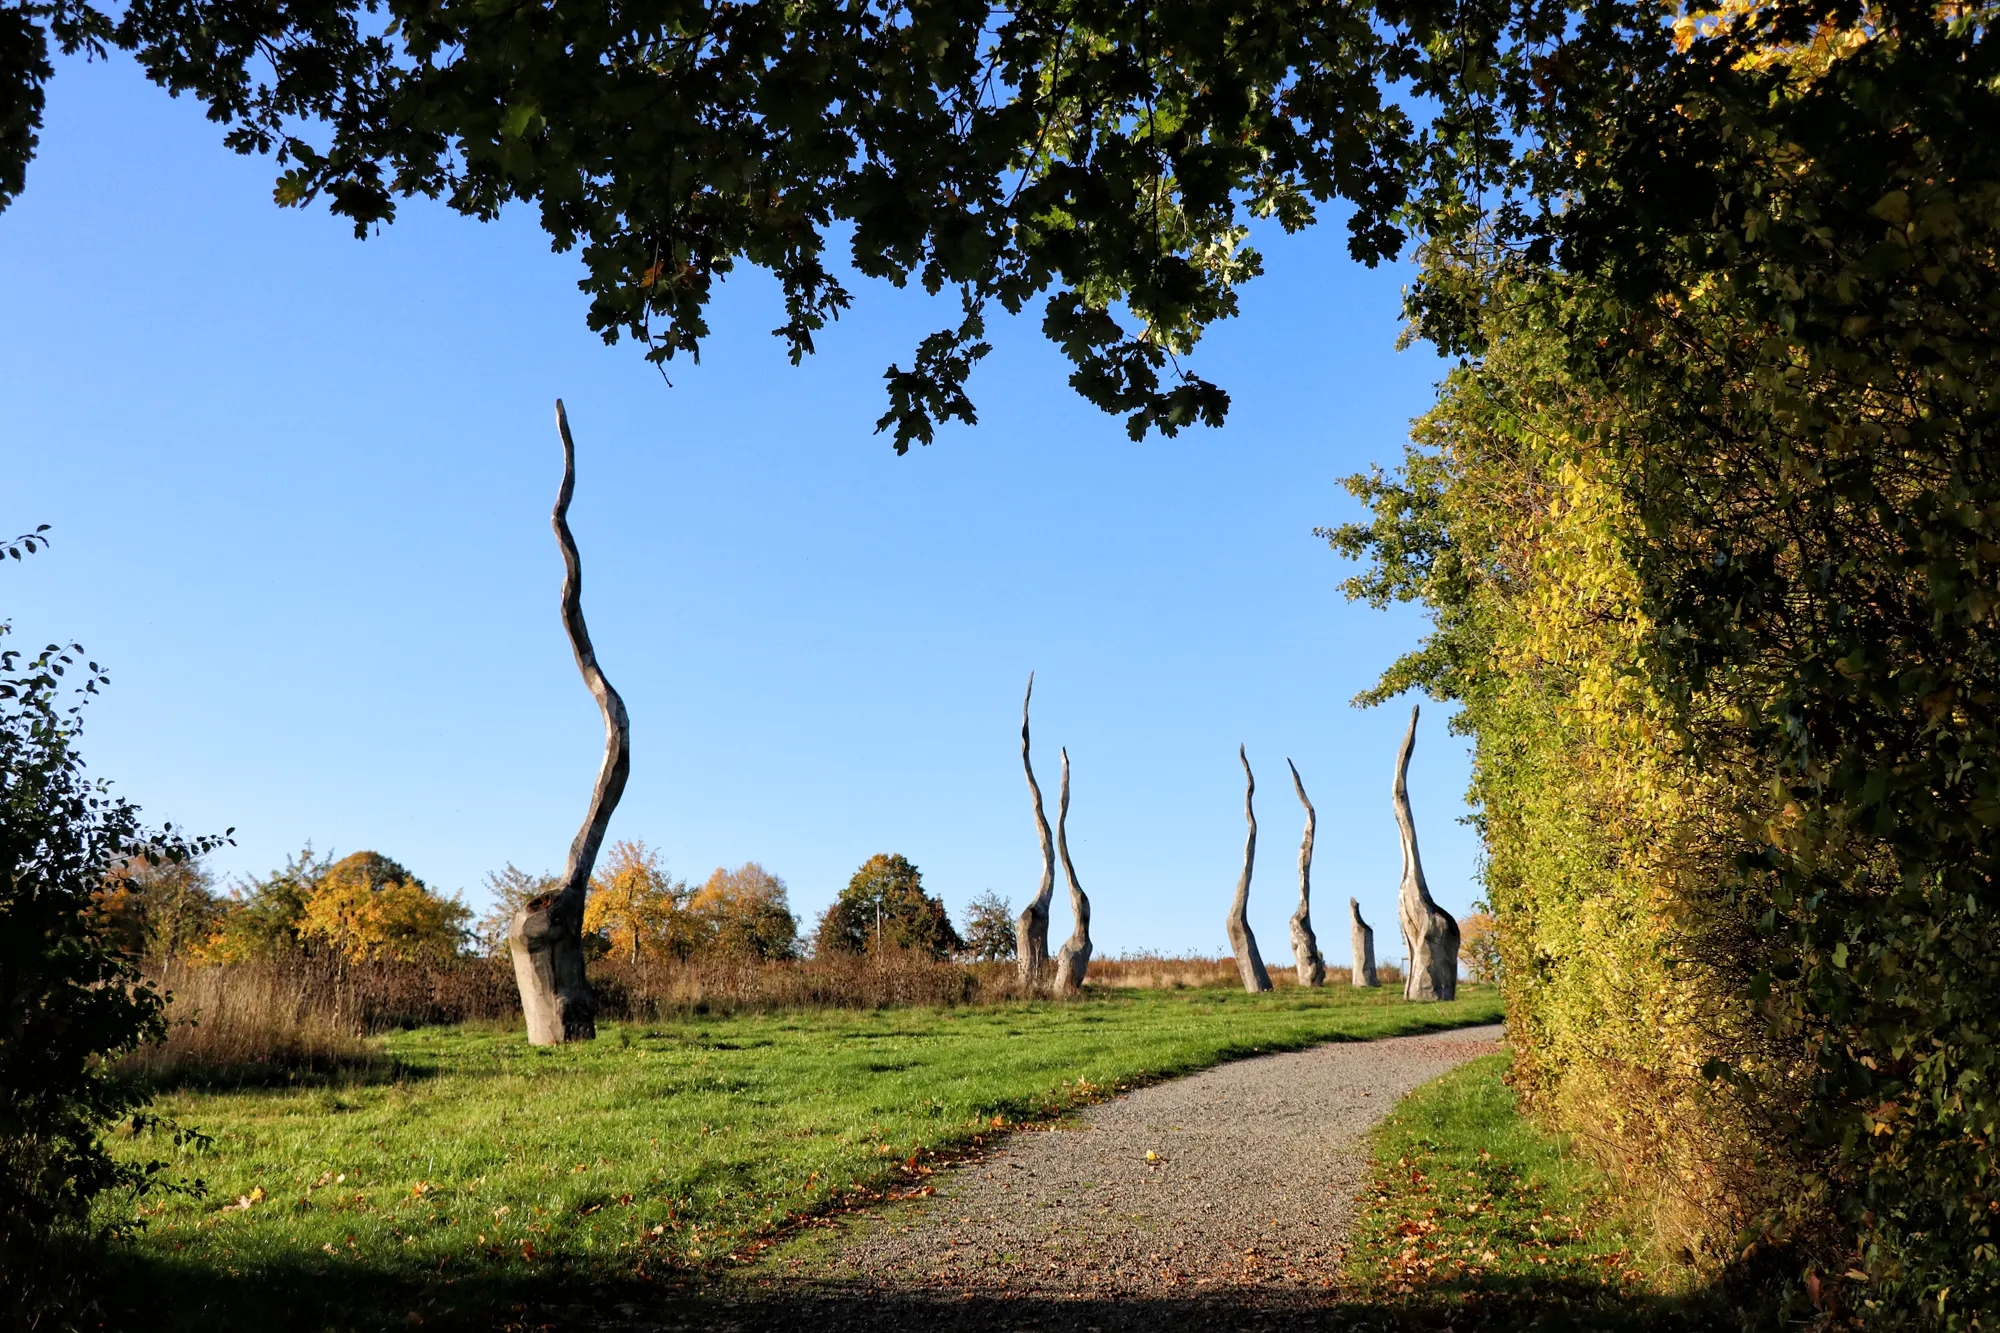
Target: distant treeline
(368,908)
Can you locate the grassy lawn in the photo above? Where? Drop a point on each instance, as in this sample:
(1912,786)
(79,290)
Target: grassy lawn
(487,1175)
(1476,1219)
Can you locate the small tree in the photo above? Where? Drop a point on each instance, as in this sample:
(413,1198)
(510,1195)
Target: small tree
(637,909)
(512,890)
(746,913)
(1479,945)
(885,906)
(989,928)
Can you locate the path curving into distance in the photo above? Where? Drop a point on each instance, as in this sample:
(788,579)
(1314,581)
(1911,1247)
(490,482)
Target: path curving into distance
(1238,1219)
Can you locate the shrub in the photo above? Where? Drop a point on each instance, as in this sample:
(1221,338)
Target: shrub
(70,996)
(1603,842)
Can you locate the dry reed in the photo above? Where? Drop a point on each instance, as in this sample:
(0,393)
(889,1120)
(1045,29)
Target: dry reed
(1146,971)
(308,1017)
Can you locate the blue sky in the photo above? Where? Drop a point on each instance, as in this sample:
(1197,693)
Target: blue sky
(299,488)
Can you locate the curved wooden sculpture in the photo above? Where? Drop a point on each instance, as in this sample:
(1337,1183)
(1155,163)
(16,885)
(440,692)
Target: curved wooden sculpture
(1073,959)
(1031,928)
(1364,947)
(1241,942)
(1430,934)
(546,935)
(1305,946)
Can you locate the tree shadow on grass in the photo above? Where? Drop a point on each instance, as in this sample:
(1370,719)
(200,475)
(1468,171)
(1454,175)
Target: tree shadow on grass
(372,1071)
(158,1294)
(162,1297)
(824,1311)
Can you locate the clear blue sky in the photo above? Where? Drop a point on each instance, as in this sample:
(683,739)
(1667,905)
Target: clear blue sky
(300,485)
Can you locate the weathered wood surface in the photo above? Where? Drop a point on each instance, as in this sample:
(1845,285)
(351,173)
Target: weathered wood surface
(1430,934)
(1031,928)
(1364,946)
(1242,942)
(1073,959)
(546,935)
(1305,945)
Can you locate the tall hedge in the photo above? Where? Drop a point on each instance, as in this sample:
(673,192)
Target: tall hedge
(1709,521)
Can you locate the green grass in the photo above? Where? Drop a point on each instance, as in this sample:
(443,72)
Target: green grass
(487,1174)
(1475,1218)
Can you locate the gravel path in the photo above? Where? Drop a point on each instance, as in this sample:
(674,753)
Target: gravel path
(1240,1209)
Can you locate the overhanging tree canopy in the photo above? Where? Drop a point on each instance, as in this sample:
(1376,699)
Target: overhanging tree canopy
(1103,154)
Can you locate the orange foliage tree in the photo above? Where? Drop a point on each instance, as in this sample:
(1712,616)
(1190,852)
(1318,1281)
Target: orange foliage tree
(1479,946)
(367,906)
(639,910)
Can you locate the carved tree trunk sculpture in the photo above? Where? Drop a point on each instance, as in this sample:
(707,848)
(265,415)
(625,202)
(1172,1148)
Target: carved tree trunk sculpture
(1305,946)
(546,935)
(1364,947)
(1249,965)
(1430,934)
(1031,928)
(1073,959)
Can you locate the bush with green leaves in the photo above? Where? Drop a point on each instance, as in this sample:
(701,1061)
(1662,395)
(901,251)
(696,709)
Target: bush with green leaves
(70,999)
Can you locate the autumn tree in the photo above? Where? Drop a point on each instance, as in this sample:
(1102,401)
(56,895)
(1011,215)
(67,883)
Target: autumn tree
(1479,946)
(884,906)
(367,907)
(637,910)
(264,917)
(745,913)
(164,911)
(989,928)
